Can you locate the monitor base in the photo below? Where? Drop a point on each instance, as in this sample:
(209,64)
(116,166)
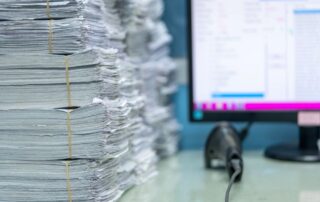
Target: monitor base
(292,153)
(308,149)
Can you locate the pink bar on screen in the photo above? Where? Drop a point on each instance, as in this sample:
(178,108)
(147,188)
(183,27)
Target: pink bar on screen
(225,107)
(281,106)
(213,107)
(234,106)
(205,106)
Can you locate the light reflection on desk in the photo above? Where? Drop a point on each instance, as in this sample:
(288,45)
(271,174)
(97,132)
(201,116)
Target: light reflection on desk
(184,179)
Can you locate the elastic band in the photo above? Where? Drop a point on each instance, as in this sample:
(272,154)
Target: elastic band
(50,31)
(69,189)
(66,62)
(69,134)
(48,10)
(50,36)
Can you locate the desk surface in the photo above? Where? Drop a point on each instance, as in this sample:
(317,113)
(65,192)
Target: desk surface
(183,179)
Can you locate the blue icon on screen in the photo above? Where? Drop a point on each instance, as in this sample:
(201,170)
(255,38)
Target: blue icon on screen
(198,115)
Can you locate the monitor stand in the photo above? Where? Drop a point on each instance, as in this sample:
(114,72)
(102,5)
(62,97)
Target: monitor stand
(308,149)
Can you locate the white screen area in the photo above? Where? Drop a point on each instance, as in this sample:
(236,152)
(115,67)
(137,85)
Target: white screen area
(256,51)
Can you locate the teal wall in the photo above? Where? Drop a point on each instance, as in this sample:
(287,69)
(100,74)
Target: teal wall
(194,135)
(175,16)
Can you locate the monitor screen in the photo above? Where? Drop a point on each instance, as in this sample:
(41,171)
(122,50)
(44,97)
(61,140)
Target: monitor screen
(255,55)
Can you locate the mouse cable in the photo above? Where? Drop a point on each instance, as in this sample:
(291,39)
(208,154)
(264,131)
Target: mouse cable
(237,172)
(245,131)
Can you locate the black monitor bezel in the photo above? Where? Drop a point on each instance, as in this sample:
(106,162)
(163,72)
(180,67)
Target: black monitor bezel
(258,116)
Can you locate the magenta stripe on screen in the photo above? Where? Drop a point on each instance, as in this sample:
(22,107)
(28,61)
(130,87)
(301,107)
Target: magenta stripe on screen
(281,106)
(213,106)
(225,107)
(205,106)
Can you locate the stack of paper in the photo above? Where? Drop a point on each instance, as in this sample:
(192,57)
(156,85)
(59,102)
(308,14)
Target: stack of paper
(56,26)
(159,107)
(66,118)
(31,137)
(125,173)
(138,164)
(89,132)
(39,9)
(115,31)
(148,47)
(78,180)
(55,81)
(84,98)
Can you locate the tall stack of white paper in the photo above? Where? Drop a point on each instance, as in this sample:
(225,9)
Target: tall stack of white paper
(80,180)
(39,80)
(148,47)
(58,27)
(85,98)
(115,31)
(68,101)
(141,145)
(139,164)
(42,135)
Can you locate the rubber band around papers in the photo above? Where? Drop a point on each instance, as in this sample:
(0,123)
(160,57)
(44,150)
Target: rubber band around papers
(69,189)
(67,65)
(50,31)
(50,48)
(69,130)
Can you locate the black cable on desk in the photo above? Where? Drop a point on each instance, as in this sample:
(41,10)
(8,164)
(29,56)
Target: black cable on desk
(237,171)
(245,131)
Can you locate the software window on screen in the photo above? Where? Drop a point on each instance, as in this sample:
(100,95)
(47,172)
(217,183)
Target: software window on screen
(256,54)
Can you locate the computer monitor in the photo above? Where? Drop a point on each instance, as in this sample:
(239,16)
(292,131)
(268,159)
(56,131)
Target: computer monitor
(257,60)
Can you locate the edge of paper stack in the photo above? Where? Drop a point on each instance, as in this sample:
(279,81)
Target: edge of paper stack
(86,98)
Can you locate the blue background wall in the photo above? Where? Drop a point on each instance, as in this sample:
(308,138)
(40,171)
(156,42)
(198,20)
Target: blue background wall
(175,17)
(194,135)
